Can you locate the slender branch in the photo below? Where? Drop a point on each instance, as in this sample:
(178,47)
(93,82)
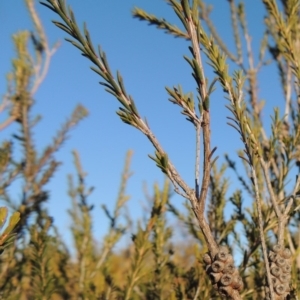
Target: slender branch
(288,92)
(7,122)
(252,71)
(213,31)
(4,105)
(197,164)
(296,187)
(199,207)
(41,67)
(236,34)
(197,292)
(261,232)
(270,188)
(206,118)
(173,172)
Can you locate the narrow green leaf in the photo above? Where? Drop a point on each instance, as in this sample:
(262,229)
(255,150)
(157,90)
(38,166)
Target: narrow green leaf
(198,72)
(212,152)
(200,106)
(3,216)
(213,162)
(88,39)
(153,158)
(99,72)
(212,86)
(76,45)
(63,27)
(113,93)
(121,83)
(186,8)
(107,85)
(165,161)
(245,159)
(191,63)
(181,17)
(13,221)
(133,107)
(105,63)
(195,12)
(237,129)
(49,6)
(206,103)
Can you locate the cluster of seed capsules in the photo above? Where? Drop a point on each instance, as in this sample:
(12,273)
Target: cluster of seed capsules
(222,272)
(280,268)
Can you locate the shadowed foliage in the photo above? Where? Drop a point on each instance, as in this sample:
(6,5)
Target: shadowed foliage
(252,255)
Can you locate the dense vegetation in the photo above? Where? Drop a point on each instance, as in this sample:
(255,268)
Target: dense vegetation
(35,262)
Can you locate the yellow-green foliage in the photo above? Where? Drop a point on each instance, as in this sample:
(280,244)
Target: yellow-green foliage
(36,264)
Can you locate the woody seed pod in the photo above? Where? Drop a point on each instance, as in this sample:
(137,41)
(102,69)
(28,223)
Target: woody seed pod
(225,290)
(224,249)
(223,253)
(274,280)
(229,259)
(284,278)
(272,256)
(277,248)
(280,289)
(286,253)
(207,259)
(280,262)
(286,268)
(217,266)
(275,271)
(226,279)
(236,282)
(229,268)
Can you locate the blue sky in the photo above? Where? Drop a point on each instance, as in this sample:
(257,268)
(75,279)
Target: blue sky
(148,60)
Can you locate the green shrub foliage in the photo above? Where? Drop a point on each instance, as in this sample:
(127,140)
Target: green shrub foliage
(36,264)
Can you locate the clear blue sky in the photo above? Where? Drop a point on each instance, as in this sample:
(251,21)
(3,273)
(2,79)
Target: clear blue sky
(149,60)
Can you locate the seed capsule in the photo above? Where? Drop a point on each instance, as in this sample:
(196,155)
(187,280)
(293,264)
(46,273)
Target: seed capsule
(229,259)
(280,289)
(207,259)
(226,279)
(286,253)
(224,249)
(286,268)
(284,278)
(225,291)
(229,268)
(272,256)
(274,281)
(236,282)
(275,271)
(223,253)
(280,262)
(217,266)
(277,248)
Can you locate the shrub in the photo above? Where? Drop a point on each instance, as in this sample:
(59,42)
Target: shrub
(153,266)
